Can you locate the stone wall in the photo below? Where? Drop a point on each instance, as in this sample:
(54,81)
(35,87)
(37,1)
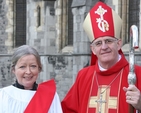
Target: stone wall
(3,25)
(6,77)
(46,38)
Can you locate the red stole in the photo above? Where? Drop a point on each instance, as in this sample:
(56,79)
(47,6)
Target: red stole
(41,101)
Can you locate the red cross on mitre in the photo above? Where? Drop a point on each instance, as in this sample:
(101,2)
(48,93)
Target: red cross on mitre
(102,21)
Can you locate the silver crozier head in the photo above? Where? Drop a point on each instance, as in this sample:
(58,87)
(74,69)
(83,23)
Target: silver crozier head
(133,45)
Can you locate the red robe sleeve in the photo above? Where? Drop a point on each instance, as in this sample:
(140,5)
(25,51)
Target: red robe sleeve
(77,98)
(70,102)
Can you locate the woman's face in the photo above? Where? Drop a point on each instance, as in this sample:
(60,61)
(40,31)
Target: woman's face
(26,71)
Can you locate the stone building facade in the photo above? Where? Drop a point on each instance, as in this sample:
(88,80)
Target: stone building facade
(54,28)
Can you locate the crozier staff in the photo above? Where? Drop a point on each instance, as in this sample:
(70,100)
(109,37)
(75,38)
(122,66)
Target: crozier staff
(25,95)
(103,86)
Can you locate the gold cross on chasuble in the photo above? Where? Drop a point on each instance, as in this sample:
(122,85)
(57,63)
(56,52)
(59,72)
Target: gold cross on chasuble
(103,101)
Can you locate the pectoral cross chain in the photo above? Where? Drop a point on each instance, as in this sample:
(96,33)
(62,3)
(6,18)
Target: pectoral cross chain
(100,101)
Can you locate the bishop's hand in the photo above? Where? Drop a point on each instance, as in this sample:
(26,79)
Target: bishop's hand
(133,96)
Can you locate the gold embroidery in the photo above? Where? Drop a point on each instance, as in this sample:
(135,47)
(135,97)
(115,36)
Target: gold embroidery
(102,103)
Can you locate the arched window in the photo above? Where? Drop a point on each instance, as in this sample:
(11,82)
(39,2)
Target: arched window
(38,16)
(134,11)
(70,23)
(64,25)
(19,23)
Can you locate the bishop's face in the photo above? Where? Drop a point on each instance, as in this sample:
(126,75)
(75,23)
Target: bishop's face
(26,71)
(106,49)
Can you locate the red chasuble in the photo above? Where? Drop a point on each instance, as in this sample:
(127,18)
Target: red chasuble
(84,96)
(41,101)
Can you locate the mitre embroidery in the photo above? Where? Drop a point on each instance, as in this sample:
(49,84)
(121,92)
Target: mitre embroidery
(102,24)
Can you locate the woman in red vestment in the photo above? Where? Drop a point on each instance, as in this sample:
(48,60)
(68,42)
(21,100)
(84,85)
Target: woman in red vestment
(103,86)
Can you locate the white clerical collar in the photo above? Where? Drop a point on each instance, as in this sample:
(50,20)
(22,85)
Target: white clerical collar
(103,69)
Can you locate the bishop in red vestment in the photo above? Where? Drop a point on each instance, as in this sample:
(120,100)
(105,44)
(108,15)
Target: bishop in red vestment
(84,93)
(99,88)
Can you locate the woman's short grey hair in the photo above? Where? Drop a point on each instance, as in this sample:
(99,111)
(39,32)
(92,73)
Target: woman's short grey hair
(23,51)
